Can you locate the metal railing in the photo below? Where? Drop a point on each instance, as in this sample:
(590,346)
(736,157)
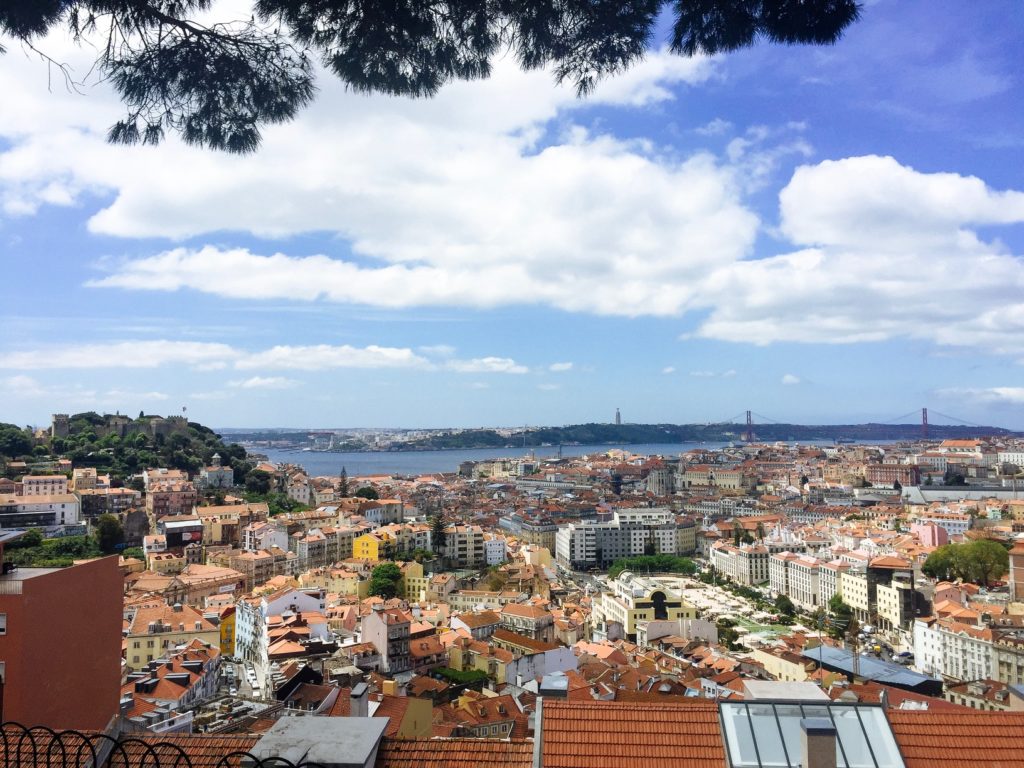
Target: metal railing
(42,747)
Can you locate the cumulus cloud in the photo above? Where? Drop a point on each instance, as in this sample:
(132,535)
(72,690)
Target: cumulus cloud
(264,382)
(889,252)
(560,367)
(125,354)
(487,365)
(208,356)
(668,369)
(997,395)
(321,357)
(789,378)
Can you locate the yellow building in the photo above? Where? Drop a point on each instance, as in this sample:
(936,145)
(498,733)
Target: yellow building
(634,598)
(342,581)
(374,546)
(414,583)
(156,631)
(783,664)
(227,632)
(466,655)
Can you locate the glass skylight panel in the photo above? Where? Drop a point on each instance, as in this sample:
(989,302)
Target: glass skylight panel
(760,734)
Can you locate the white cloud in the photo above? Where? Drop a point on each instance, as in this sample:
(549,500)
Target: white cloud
(890,253)
(712,374)
(125,354)
(668,369)
(716,127)
(789,378)
(560,367)
(487,365)
(264,382)
(320,357)
(998,395)
(548,387)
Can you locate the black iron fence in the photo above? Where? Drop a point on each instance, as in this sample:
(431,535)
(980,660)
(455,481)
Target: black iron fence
(41,747)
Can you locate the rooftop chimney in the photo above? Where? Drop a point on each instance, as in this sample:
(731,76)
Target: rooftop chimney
(818,739)
(359,698)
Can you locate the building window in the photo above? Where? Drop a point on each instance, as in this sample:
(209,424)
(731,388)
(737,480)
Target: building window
(3,623)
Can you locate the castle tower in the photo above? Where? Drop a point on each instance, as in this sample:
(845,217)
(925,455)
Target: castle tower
(61,425)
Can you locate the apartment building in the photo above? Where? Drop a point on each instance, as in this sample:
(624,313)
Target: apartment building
(155,631)
(529,620)
(746,564)
(60,643)
(464,546)
(801,581)
(167,497)
(388,630)
(253,617)
(39,511)
(44,485)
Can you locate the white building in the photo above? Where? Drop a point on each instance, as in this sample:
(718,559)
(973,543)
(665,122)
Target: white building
(39,511)
(953,651)
(251,614)
(746,564)
(495,551)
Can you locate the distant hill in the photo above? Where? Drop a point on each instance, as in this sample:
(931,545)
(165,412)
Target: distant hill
(633,434)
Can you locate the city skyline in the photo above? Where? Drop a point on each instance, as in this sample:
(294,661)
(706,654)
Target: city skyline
(822,235)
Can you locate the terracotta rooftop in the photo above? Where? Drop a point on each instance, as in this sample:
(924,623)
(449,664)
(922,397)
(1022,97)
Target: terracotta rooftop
(669,735)
(454,753)
(947,740)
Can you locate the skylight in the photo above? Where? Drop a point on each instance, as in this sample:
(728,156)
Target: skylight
(760,734)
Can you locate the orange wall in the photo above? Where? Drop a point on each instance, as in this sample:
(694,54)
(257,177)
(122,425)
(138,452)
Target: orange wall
(62,649)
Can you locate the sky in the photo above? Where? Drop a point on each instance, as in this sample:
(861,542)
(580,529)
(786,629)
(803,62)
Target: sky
(818,234)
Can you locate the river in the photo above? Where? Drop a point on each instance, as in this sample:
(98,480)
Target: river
(318,463)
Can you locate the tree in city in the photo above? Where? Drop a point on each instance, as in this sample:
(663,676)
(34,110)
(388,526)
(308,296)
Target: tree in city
(258,481)
(804,481)
(952,477)
(978,562)
(343,483)
(784,606)
(14,441)
(386,581)
(437,533)
(760,532)
(109,533)
(897,485)
(737,533)
(940,564)
(840,617)
(367,492)
(218,82)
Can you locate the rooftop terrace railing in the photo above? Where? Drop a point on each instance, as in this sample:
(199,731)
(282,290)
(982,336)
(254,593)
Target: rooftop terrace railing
(42,747)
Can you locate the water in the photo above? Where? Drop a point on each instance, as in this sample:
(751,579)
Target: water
(426,462)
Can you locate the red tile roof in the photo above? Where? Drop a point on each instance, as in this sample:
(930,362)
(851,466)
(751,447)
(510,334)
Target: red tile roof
(454,753)
(201,751)
(669,735)
(946,739)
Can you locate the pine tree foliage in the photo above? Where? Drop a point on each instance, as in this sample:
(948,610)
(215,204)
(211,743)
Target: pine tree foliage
(217,83)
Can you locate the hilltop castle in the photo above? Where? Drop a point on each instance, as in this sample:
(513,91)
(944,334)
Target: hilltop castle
(122,426)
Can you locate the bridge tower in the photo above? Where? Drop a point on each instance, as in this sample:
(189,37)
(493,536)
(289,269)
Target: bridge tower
(924,423)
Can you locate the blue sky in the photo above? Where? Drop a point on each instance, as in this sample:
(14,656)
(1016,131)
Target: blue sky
(818,234)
